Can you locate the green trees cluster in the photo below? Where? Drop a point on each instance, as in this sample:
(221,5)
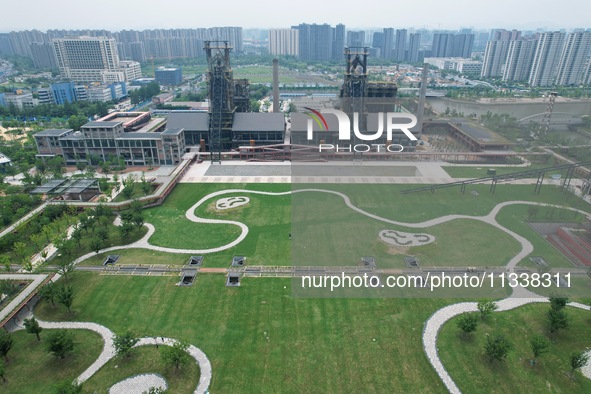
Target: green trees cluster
(16,205)
(87,109)
(144,93)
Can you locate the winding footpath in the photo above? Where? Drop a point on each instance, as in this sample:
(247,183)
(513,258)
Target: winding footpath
(519,297)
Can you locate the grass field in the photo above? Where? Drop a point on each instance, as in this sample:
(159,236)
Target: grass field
(516,217)
(465,360)
(31,369)
(259,338)
(231,325)
(270,220)
(264,74)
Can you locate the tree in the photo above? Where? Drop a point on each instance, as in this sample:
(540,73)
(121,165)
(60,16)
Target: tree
(138,219)
(557,320)
(77,121)
(20,250)
(32,326)
(497,347)
(96,244)
(6,343)
(467,322)
(106,168)
(48,292)
(558,303)
(2,372)
(124,342)
(59,343)
(5,262)
(66,387)
(486,307)
(577,360)
(77,235)
(539,345)
(176,354)
(103,234)
(66,268)
(65,296)
(125,229)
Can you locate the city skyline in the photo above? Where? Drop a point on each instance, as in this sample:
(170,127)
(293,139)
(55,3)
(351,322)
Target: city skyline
(455,14)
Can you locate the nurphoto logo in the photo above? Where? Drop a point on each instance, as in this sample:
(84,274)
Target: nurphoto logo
(392,119)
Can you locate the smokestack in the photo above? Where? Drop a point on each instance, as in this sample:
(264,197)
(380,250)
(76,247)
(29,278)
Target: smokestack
(275,85)
(422,99)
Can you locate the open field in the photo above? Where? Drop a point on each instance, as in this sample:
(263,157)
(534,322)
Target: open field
(231,325)
(264,74)
(465,360)
(31,369)
(260,338)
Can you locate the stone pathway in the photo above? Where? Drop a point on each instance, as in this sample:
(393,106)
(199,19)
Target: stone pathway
(139,384)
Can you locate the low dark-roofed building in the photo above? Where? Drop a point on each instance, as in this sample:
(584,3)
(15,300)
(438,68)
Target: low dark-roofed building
(194,123)
(48,141)
(262,128)
(70,189)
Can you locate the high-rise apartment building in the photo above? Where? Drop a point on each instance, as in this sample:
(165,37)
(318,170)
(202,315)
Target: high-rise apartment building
(546,58)
(495,56)
(574,58)
(84,59)
(399,54)
(355,38)
(43,55)
(388,47)
(283,42)
(520,56)
(93,59)
(414,42)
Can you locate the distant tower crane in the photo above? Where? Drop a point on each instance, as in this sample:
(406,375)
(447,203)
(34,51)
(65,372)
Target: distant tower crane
(545,124)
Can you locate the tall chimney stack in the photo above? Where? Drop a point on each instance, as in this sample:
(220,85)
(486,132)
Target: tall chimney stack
(422,99)
(276,85)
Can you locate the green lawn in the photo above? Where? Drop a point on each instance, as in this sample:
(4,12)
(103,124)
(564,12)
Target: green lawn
(313,345)
(465,361)
(346,235)
(145,359)
(516,218)
(31,369)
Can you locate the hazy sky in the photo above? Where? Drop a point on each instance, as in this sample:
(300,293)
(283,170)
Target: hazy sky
(432,14)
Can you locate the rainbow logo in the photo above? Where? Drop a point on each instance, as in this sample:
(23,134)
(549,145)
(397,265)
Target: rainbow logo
(318,118)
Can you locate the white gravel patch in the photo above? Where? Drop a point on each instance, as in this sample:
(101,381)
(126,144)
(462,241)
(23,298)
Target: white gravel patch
(139,384)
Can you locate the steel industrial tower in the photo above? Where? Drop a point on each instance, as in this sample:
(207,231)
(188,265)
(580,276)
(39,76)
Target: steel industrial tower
(354,91)
(545,124)
(221,94)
